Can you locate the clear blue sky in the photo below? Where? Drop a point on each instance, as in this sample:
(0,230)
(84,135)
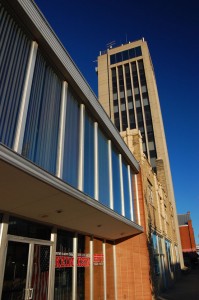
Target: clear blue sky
(171,29)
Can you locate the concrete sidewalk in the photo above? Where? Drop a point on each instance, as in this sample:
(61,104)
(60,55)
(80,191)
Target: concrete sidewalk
(187,288)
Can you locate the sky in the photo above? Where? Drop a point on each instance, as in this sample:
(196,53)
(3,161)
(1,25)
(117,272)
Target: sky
(171,29)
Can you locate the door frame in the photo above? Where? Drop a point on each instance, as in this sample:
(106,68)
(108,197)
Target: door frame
(31,242)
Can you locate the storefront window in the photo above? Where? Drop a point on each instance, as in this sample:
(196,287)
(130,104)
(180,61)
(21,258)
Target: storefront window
(29,229)
(63,266)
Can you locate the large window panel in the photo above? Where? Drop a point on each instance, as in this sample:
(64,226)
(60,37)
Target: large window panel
(103,167)
(117,202)
(127,191)
(71,144)
(15,47)
(63,266)
(42,125)
(88,186)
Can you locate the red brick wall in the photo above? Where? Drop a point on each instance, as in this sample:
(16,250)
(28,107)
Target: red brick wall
(133,267)
(187,238)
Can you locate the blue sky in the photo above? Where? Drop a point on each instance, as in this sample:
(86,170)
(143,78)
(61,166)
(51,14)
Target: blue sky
(171,29)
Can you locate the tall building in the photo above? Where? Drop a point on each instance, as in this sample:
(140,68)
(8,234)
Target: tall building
(71,213)
(128,92)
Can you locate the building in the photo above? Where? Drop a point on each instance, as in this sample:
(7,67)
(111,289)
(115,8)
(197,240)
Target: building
(189,247)
(159,220)
(128,92)
(71,209)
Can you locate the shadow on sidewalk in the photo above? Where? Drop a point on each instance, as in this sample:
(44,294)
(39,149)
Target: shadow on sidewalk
(187,288)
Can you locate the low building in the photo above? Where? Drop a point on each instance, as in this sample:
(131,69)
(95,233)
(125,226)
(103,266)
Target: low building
(189,248)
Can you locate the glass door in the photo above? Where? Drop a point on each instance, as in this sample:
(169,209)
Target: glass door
(26,271)
(15,274)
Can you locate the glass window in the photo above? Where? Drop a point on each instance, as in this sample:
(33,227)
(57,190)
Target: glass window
(103,166)
(71,143)
(138,51)
(116,182)
(126,191)
(89,156)
(42,125)
(113,59)
(83,263)
(15,47)
(63,265)
(29,229)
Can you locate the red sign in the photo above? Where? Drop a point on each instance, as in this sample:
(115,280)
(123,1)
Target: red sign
(66,260)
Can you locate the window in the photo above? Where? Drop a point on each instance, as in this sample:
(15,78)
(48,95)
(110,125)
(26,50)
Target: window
(15,47)
(116,182)
(103,167)
(89,156)
(71,143)
(42,125)
(127,190)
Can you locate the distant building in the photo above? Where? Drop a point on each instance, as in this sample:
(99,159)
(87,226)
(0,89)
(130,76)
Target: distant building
(186,233)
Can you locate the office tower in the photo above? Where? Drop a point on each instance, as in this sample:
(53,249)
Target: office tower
(128,92)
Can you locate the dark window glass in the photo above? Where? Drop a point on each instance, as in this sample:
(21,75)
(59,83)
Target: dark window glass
(103,165)
(138,51)
(131,53)
(71,143)
(29,229)
(83,262)
(125,55)
(118,57)
(42,125)
(89,156)
(117,120)
(63,267)
(113,59)
(15,48)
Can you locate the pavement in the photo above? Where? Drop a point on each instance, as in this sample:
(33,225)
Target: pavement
(186,288)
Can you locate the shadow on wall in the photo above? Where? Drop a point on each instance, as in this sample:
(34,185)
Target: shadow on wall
(163,273)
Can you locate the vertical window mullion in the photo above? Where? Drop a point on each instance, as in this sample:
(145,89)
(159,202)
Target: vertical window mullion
(91,270)
(130,193)
(20,128)
(104,269)
(96,169)
(81,148)
(60,147)
(110,174)
(121,185)
(74,280)
(52,264)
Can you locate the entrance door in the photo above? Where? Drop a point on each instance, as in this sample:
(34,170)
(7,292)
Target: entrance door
(26,271)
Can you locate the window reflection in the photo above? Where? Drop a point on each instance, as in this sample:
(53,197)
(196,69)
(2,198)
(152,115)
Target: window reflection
(103,167)
(89,156)
(42,125)
(71,143)
(126,191)
(116,182)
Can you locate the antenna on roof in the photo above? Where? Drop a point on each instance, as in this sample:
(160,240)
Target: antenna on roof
(110,45)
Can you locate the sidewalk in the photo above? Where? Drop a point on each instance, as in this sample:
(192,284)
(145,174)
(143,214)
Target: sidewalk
(187,288)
